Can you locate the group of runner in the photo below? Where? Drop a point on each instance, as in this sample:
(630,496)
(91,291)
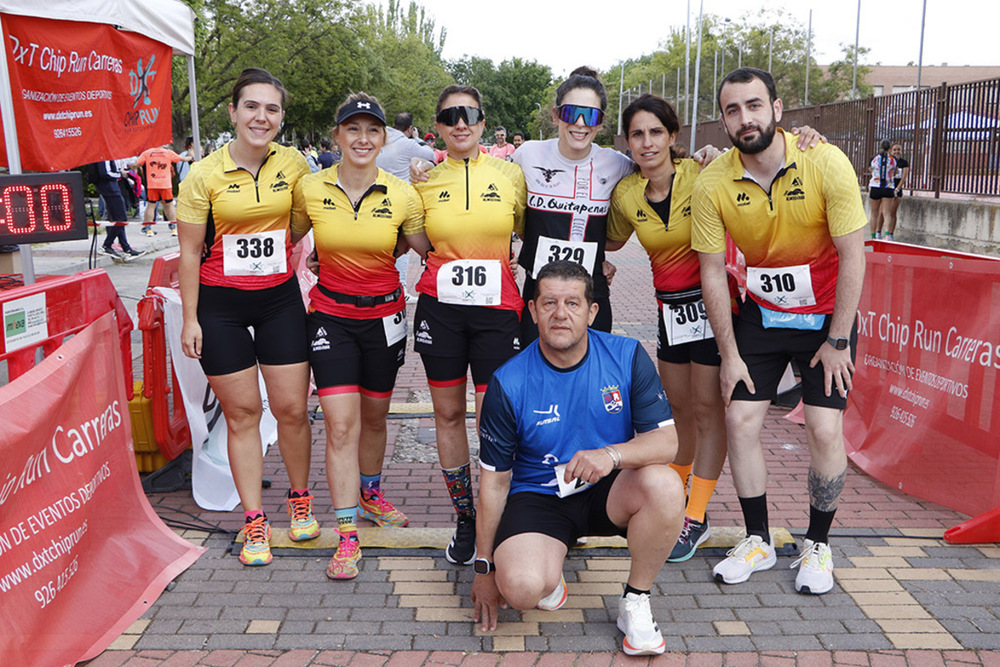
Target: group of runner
(243,207)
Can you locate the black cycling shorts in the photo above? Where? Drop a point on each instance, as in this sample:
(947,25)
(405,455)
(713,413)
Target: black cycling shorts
(350,356)
(704,352)
(451,338)
(565,519)
(278,319)
(881,193)
(767,352)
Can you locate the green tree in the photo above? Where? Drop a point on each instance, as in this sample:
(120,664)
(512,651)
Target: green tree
(510,90)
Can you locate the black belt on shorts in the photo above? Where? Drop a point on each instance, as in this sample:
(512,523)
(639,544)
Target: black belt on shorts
(683,296)
(361,301)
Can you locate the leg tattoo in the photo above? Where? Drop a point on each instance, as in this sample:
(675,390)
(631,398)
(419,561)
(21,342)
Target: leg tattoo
(824,492)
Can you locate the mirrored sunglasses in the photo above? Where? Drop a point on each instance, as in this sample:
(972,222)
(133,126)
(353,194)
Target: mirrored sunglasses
(569,113)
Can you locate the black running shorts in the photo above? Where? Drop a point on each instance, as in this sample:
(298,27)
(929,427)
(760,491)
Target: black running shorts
(349,355)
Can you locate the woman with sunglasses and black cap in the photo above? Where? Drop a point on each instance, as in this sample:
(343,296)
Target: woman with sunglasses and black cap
(360,216)
(468,310)
(569,181)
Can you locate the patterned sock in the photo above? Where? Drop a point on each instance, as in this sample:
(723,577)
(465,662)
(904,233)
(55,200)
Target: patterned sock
(629,589)
(253,514)
(701,493)
(298,493)
(684,472)
(755,516)
(459,482)
(347,522)
(819,524)
(370,484)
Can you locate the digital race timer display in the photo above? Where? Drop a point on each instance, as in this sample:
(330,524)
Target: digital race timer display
(39,208)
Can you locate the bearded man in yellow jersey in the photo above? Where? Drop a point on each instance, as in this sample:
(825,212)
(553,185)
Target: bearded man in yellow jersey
(799,221)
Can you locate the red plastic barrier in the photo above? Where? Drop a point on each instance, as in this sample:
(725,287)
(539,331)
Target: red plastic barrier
(170,430)
(71,303)
(923,416)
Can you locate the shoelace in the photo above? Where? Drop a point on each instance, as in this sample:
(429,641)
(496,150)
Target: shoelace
(686,529)
(256,530)
(805,559)
(350,548)
(745,546)
(378,498)
(639,610)
(301,506)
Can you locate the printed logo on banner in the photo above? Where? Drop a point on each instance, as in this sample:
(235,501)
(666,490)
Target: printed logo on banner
(140,78)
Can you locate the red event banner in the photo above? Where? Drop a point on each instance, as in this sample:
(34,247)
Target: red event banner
(924,415)
(82,554)
(84,92)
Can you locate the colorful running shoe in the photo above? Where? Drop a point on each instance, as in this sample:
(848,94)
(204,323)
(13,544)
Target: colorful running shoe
(344,564)
(556,598)
(380,511)
(815,565)
(750,555)
(693,535)
(635,619)
(256,542)
(303,525)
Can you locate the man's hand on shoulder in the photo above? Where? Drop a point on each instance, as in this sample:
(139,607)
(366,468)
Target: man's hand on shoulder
(486,600)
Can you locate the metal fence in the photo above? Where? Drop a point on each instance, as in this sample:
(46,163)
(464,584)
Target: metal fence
(949,134)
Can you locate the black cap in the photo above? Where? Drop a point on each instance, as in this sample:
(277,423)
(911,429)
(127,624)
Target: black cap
(360,106)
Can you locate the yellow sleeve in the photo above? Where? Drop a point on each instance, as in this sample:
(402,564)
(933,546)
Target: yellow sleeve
(619,223)
(300,221)
(300,169)
(194,200)
(845,213)
(708,231)
(414,223)
(515,175)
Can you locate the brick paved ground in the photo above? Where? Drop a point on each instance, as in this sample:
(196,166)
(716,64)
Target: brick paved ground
(903,596)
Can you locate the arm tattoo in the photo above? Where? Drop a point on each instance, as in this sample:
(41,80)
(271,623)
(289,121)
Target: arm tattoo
(824,492)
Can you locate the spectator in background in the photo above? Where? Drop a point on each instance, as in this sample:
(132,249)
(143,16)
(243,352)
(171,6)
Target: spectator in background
(184,167)
(156,164)
(306,149)
(108,174)
(500,148)
(439,155)
(394,158)
(517,139)
(325,159)
(880,187)
(890,206)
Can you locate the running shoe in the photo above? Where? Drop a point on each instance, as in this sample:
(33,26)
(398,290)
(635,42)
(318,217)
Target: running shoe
(380,511)
(256,542)
(111,252)
(148,231)
(462,549)
(132,253)
(750,555)
(173,229)
(303,525)
(693,535)
(635,619)
(815,565)
(556,598)
(344,564)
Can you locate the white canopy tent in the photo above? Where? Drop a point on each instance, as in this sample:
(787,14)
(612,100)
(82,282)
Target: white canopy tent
(169,22)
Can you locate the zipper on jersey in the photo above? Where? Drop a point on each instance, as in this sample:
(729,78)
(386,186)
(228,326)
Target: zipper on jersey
(466,184)
(781,172)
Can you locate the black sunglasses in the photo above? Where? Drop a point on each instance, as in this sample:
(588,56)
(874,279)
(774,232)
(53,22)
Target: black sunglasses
(451,116)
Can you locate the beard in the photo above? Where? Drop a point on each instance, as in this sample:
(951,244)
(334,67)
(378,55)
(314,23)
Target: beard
(753,146)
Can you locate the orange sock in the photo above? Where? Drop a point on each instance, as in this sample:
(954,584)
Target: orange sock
(684,472)
(701,493)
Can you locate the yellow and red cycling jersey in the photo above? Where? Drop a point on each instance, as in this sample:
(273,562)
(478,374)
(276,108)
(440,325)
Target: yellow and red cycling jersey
(667,242)
(248,216)
(471,208)
(355,244)
(786,233)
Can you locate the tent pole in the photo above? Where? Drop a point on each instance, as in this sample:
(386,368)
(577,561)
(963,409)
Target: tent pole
(13,152)
(193,96)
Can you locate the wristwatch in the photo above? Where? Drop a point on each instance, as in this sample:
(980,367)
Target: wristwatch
(838,343)
(483,566)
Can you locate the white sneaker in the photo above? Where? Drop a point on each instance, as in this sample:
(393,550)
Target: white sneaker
(642,634)
(815,568)
(556,598)
(750,555)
